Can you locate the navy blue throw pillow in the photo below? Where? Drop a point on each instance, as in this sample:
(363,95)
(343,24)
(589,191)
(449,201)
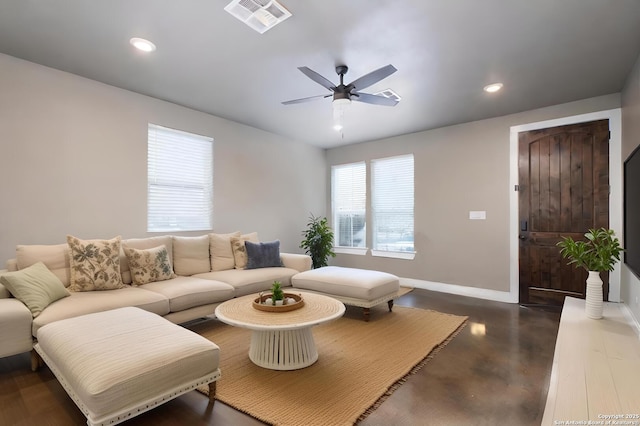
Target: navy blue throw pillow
(263,255)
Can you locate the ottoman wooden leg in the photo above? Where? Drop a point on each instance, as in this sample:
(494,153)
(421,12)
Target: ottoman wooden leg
(390,303)
(212,392)
(367,313)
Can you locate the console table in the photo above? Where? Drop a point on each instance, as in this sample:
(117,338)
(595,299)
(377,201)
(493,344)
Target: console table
(596,368)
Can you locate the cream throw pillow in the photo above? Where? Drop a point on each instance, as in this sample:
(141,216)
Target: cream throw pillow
(191,255)
(95,264)
(149,265)
(221,252)
(240,251)
(35,286)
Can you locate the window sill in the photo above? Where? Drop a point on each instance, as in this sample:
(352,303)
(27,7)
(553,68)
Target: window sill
(359,251)
(407,255)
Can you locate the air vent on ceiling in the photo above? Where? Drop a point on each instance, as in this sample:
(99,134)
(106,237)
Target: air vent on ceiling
(388,93)
(260,15)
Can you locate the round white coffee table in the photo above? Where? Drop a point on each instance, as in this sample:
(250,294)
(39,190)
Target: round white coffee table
(281,340)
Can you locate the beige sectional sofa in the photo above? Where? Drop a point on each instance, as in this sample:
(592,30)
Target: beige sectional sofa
(205,271)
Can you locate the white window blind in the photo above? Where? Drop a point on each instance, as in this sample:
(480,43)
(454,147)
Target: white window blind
(349,201)
(180,181)
(392,203)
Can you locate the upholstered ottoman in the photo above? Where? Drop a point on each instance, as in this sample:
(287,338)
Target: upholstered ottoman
(120,363)
(356,287)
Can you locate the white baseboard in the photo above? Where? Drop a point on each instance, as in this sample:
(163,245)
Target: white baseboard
(631,318)
(461,290)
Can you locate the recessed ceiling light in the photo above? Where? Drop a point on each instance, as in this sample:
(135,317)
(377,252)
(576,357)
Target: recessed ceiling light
(142,44)
(492,88)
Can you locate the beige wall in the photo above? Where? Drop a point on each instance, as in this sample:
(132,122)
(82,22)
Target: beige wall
(73,160)
(458,169)
(629,283)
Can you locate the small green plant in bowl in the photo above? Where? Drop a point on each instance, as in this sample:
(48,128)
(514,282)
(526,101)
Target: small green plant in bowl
(276,292)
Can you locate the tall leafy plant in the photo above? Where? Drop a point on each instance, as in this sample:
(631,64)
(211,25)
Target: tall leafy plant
(599,252)
(318,241)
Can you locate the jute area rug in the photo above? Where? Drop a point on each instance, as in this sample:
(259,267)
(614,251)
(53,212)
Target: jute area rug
(360,364)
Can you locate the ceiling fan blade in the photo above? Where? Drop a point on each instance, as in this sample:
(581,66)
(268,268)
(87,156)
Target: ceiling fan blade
(299,101)
(372,99)
(317,78)
(373,77)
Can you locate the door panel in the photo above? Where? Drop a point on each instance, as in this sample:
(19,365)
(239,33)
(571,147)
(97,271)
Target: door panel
(563,191)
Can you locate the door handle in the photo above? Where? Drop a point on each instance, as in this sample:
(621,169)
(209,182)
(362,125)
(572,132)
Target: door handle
(522,237)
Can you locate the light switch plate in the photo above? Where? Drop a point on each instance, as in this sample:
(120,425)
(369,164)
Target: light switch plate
(478,215)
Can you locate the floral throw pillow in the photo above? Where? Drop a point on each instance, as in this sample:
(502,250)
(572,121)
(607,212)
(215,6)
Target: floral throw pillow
(149,265)
(95,264)
(239,250)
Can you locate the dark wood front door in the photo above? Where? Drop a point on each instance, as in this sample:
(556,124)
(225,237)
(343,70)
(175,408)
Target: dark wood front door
(563,191)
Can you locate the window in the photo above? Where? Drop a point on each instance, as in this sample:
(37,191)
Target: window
(180,181)
(392,206)
(348,200)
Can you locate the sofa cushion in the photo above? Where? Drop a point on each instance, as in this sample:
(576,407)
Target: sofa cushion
(87,302)
(263,255)
(35,286)
(221,252)
(55,258)
(191,255)
(142,244)
(250,281)
(149,265)
(95,264)
(240,251)
(188,292)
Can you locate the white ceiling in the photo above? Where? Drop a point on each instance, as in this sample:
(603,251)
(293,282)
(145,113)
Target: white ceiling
(545,52)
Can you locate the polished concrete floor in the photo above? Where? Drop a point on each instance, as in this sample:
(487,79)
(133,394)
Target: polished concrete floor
(495,372)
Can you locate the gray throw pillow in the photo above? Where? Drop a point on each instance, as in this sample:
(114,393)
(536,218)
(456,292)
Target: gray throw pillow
(263,255)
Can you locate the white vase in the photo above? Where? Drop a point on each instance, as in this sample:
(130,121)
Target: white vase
(593,302)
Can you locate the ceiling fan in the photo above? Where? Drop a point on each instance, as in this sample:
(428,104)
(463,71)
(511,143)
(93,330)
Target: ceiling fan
(350,92)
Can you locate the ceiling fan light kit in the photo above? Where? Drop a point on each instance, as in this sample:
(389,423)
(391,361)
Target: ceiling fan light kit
(340,105)
(261,15)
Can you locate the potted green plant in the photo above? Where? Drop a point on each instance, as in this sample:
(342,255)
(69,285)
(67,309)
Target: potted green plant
(318,241)
(600,252)
(277,294)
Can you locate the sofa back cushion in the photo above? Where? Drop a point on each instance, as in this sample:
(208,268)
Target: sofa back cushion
(55,258)
(143,244)
(221,252)
(191,255)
